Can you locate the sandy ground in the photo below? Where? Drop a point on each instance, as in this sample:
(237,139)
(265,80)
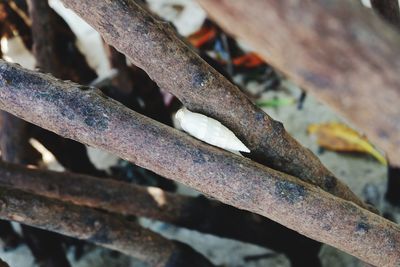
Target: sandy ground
(364,175)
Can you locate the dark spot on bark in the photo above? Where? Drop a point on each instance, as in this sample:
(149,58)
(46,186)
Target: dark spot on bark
(390,239)
(199,79)
(327,227)
(48,96)
(67,114)
(259,116)
(142,29)
(179,144)
(362,227)
(87,109)
(289,191)
(330,183)
(13,76)
(278,128)
(198,157)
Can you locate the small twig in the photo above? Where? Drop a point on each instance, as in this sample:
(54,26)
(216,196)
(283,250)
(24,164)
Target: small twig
(84,114)
(154,46)
(107,230)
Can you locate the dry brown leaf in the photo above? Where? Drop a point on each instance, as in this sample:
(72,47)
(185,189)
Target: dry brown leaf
(339,137)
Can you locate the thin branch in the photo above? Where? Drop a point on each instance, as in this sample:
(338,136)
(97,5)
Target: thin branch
(154,46)
(84,114)
(198,213)
(14,141)
(107,230)
(54,45)
(343,53)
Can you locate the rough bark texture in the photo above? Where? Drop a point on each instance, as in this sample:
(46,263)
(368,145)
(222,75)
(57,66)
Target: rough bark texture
(177,68)
(84,114)
(107,230)
(342,53)
(389,9)
(197,213)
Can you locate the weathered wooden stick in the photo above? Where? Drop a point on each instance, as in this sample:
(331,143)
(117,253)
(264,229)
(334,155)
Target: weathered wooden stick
(14,141)
(107,230)
(54,45)
(343,53)
(84,114)
(154,46)
(198,213)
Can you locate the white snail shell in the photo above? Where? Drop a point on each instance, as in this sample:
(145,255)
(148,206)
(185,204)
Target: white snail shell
(209,130)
